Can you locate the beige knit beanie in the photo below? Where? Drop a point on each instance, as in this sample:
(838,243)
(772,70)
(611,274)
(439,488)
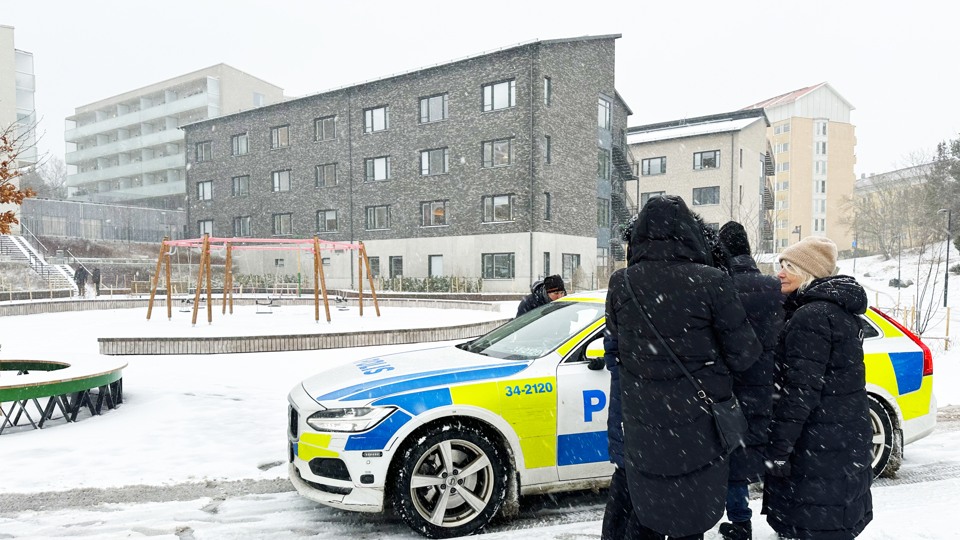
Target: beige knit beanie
(814,254)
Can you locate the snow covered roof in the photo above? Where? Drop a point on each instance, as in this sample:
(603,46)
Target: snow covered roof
(694,130)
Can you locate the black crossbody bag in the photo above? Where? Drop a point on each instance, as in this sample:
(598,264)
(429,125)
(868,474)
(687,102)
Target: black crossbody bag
(728,418)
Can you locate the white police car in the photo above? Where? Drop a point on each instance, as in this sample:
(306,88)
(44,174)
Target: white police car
(449,436)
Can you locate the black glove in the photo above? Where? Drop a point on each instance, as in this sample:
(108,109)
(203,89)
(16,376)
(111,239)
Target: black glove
(777,466)
(596,364)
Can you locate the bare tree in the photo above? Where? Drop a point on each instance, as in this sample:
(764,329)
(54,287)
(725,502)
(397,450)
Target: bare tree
(48,179)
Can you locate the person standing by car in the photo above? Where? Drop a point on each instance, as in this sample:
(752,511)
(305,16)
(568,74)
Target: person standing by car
(676,465)
(542,293)
(819,454)
(763,302)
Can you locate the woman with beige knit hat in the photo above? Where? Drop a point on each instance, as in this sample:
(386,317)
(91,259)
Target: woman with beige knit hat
(818,458)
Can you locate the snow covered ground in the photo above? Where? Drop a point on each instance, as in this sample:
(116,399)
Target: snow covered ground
(197,450)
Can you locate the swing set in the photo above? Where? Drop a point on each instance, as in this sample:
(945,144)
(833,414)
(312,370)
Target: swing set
(207,243)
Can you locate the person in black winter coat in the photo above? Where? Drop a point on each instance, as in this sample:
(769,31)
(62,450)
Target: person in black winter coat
(676,467)
(763,302)
(542,293)
(818,483)
(619,507)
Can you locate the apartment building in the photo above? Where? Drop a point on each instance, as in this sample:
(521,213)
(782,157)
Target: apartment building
(17,109)
(505,166)
(814,146)
(128,149)
(720,164)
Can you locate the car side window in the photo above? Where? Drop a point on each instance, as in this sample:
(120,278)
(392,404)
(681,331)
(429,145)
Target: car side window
(580,353)
(868,329)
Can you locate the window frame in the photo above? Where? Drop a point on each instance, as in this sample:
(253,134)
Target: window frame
(647,195)
(569,261)
(425,108)
(370,169)
(646,166)
(280,137)
(320,131)
(604,163)
(321,170)
(374,208)
(493,204)
(604,113)
(238,187)
(277,178)
(205,190)
(493,261)
(694,200)
(203,224)
(242,225)
(426,161)
(204,151)
(278,224)
(492,143)
(370,119)
(428,212)
(326,220)
(393,261)
(235,145)
(547,91)
(488,102)
(698,159)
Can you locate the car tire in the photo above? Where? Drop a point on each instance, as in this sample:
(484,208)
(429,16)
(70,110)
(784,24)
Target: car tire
(451,480)
(887,442)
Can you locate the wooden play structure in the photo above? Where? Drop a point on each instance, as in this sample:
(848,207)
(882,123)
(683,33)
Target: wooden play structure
(205,244)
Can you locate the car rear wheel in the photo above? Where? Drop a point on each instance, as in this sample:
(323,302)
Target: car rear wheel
(451,481)
(887,447)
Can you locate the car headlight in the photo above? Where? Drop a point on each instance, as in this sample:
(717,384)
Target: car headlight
(349,420)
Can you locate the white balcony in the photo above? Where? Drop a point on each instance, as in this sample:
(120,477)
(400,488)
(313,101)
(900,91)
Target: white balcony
(138,168)
(126,145)
(198,101)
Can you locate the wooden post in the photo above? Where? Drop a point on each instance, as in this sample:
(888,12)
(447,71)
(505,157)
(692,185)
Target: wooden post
(323,278)
(209,284)
(166,260)
(200,274)
(316,279)
(156,277)
(360,280)
(227,281)
(373,291)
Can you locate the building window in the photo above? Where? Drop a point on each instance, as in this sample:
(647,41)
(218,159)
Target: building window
(433,213)
(433,108)
(547,149)
(782,205)
(205,226)
(819,225)
(501,95)
(433,161)
(396,267)
(820,206)
(497,265)
(325,129)
(376,119)
(603,212)
(241,186)
(327,175)
(782,128)
(497,208)
(654,166)
(204,151)
(603,114)
(783,166)
(546,263)
(706,195)
(279,263)
(547,91)
(603,163)
(281,180)
(547,206)
(205,190)
(241,226)
(374,266)
(820,128)
(714,226)
(820,167)
(647,195)
(240,144)
(706,160)
(281,224)
(821,186)
(435,265)
(782,186)
(497,153)
(327,221)
(377,169)
(603,256)
(821,148)
(280,137)
(571,261)
(781,148)
(378,217)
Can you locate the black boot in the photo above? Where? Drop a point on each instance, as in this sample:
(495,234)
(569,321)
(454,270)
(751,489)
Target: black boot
(738,530)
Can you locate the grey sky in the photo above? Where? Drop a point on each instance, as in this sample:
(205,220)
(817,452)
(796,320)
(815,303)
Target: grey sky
(676,58)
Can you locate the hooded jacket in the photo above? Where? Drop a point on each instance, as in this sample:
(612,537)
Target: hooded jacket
(537,297)
(821,422)
(676,467)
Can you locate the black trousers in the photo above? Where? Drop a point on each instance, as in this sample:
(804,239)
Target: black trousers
(619,508)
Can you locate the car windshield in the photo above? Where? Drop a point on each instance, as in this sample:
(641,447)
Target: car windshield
(537,332)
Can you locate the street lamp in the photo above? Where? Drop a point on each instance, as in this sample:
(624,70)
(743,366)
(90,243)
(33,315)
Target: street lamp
(946,271)
(796,231)
(899,238)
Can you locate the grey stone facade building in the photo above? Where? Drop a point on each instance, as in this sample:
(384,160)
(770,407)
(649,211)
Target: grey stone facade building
(505,166)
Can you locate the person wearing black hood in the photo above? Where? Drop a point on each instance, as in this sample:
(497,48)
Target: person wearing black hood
(676,465)
(542,293)
(763,301)
(819,460)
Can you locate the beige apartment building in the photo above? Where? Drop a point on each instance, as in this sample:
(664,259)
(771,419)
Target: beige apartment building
(17,109)
(814,149)
(129,148)
(720,164)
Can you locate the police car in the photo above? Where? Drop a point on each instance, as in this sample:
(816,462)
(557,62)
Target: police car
(450,436)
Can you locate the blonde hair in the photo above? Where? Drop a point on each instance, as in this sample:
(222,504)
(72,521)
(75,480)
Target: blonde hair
(794,270)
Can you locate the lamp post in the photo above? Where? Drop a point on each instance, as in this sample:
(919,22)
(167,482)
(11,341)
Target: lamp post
(899,237)
(796,231)
(946,271)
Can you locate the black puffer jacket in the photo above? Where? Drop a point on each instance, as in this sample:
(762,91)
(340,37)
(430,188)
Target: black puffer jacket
(763,302)
(537,297)
(676,468)
(821,422)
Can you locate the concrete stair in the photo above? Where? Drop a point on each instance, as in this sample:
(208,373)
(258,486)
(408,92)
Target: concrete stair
(58,276)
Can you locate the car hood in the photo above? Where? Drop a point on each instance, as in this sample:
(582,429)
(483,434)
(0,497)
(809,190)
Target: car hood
(371,379)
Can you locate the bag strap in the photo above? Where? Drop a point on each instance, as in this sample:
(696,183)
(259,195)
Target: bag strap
(701,393)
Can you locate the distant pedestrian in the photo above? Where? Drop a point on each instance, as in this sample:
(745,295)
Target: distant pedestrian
(819,454)
(675,462)
(95,277)
(80,277)
(542,293)
(763,302)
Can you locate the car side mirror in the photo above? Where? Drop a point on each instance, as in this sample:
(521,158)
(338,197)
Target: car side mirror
(595,349)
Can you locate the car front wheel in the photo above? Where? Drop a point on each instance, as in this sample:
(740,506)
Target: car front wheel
(451,481)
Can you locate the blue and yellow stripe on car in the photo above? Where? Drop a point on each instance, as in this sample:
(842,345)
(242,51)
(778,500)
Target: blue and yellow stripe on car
(900,373)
